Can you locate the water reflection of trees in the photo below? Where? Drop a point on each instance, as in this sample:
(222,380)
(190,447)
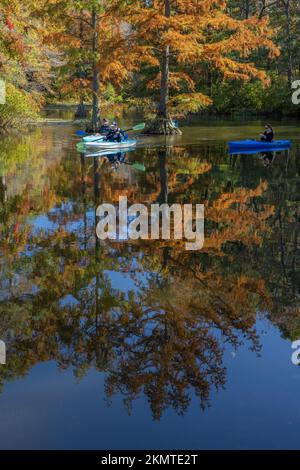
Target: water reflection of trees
(165,338)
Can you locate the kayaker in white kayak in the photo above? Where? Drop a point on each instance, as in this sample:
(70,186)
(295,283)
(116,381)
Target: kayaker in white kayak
(268,135)
(105,128)
(116,134)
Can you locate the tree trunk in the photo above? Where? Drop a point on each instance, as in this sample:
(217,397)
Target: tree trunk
(247,8)
(163,123)
(287,7)
(81,112)
(164,84)
(163,196)
(95,123)
(97,192)
(3,190)
(84,200)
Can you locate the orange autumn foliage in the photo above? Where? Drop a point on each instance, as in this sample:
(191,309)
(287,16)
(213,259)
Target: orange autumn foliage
(197,33)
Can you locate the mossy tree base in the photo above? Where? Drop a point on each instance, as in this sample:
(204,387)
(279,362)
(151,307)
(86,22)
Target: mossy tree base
(162,126)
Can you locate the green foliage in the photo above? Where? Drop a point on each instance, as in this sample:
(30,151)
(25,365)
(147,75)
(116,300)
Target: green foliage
(235,96)
(111,95)
(253,97)
(13,153)
(18,110)
(278,98)
(185,103)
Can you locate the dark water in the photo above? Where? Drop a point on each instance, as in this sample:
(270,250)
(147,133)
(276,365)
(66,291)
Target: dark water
(141,344)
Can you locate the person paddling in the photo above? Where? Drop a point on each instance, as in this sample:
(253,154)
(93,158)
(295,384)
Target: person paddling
(110,136)
(105,128)
(268,158)
(268,135)
(116,134)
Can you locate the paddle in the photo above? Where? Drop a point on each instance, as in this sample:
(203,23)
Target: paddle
(81,133)
(138,127)
(80,147)
(137,166)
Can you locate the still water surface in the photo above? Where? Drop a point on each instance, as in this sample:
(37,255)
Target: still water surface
(142,344)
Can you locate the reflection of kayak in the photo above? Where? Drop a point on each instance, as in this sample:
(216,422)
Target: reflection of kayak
(108,152)
(111,145)
(236,151)
(117,156)
(236,145)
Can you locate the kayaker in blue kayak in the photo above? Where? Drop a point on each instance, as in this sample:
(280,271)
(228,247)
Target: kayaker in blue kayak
(268,135)
(268,158)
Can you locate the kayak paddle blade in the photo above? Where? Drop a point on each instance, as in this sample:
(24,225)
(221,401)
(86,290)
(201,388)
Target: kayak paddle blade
(139,167)
(80,147)
(81,133)
(139,127)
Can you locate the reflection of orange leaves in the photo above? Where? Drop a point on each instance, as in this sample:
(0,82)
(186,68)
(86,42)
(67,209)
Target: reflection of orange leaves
(240,195)
(244,286)
(236,220)
(16,230)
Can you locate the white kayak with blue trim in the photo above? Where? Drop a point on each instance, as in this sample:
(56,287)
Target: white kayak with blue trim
(110,145)
(109,152)
(92,138)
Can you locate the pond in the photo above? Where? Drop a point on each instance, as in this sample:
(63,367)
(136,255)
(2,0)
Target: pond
(140,344)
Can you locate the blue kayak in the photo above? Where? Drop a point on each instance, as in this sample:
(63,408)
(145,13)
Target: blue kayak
(258,145)
(236,151)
